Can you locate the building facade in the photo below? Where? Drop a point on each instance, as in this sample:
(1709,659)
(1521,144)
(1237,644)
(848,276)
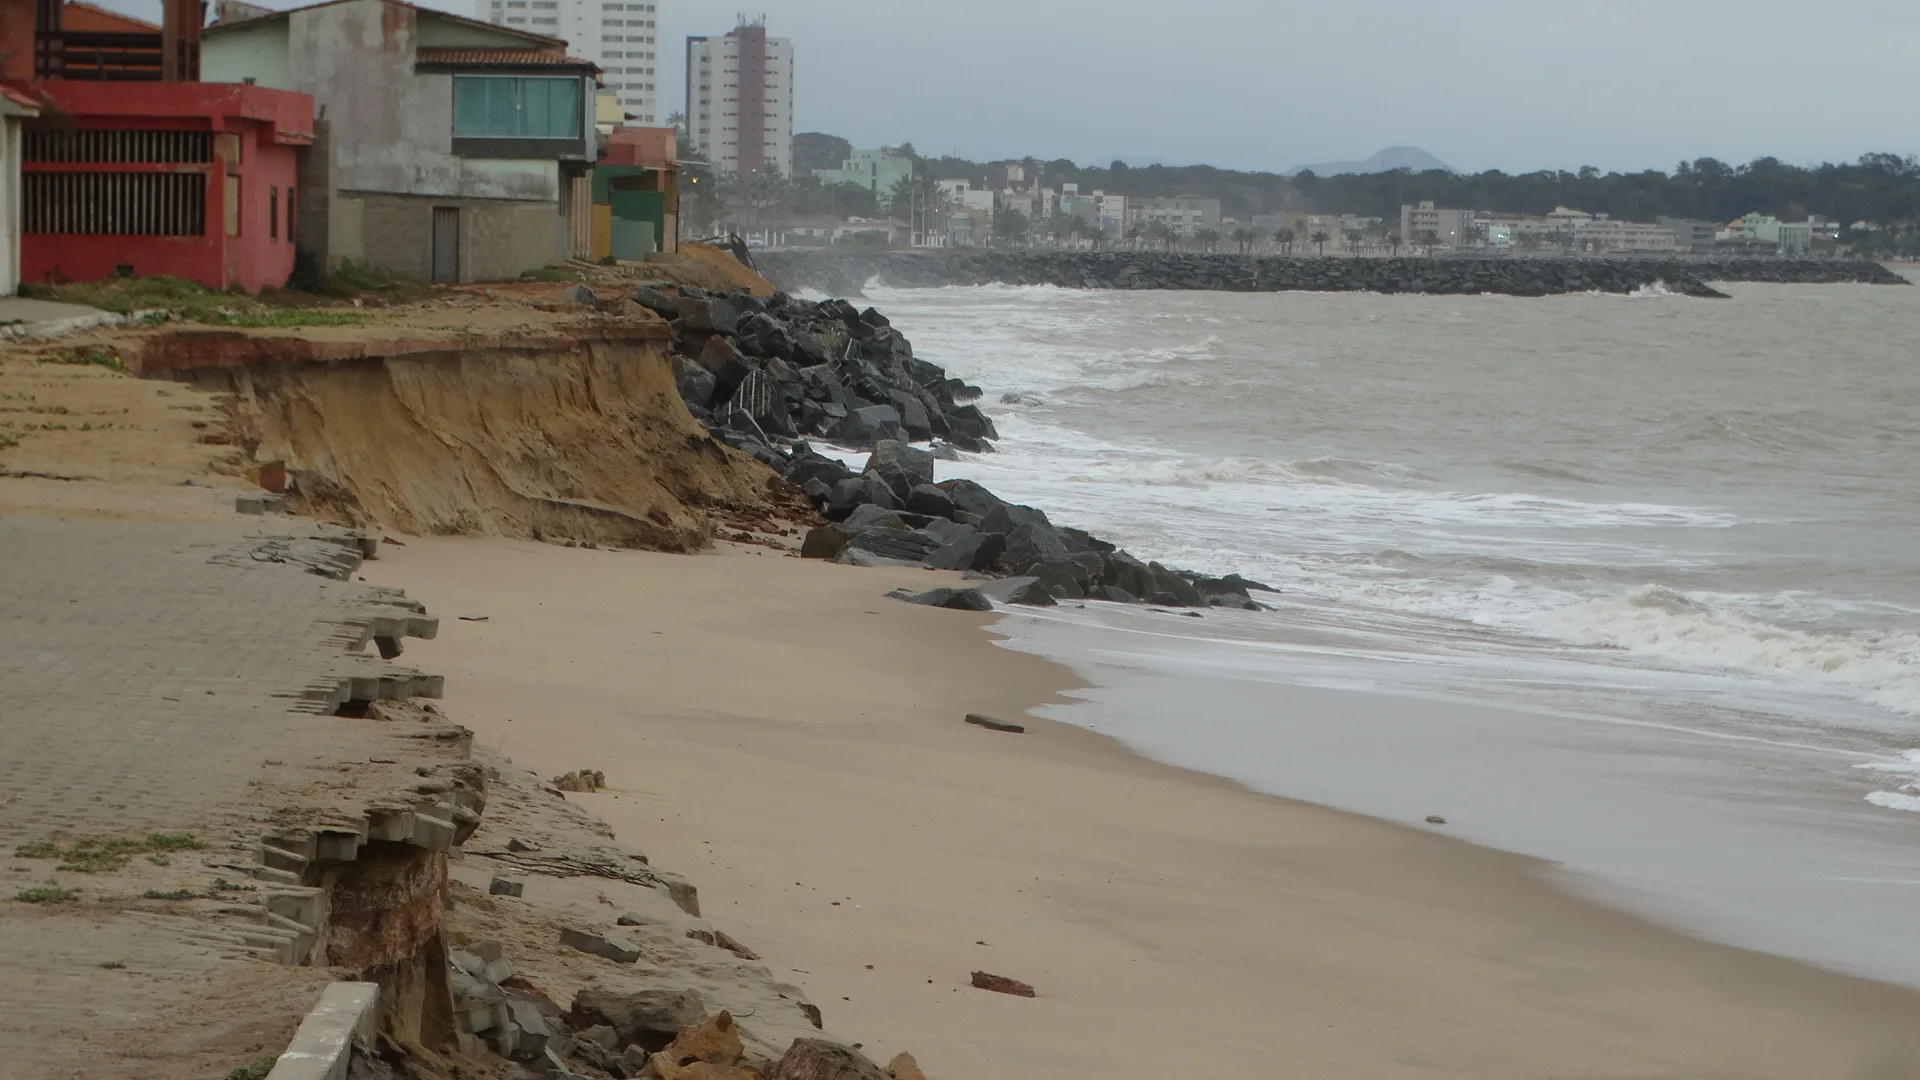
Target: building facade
(16,109)
(1184,214)
(1690,235)
(194,180)
(740,100)
(875,170)
(451,149)
(1447,228)
(621,38)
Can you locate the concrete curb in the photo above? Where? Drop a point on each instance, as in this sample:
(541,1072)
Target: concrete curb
(44,331)
(323,1047)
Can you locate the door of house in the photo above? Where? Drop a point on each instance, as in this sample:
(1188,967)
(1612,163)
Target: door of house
(446,244)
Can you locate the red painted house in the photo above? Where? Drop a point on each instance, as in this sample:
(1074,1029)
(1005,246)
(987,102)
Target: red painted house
(134,168)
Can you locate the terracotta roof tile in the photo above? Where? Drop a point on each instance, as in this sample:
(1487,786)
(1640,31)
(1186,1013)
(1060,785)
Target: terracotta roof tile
(21,97)
(437,54)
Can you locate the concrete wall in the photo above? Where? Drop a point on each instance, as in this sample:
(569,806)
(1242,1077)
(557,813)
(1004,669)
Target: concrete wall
(392,128)
(257,51)
(499,238)
(10,137)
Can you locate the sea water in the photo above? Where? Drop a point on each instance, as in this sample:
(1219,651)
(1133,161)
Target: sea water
(1628,583)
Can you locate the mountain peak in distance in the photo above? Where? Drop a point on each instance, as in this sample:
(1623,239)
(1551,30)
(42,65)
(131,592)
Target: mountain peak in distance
(1393,157)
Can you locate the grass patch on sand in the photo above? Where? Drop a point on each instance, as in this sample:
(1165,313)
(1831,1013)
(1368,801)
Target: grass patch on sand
(256,1070)
(99,855)
(96,357)
(46,894)
(171,299)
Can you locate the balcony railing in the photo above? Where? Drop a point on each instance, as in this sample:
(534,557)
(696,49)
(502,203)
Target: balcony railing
(98,55)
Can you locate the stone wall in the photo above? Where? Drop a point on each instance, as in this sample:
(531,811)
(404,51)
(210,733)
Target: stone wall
(499,238)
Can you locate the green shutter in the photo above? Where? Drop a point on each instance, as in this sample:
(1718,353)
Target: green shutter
(509,107)
(469,106)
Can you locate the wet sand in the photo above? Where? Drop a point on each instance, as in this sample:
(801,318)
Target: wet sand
(792,741)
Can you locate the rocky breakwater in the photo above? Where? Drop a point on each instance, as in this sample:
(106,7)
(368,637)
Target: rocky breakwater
(764,373)
(846,273)
(759,372)
(894,513)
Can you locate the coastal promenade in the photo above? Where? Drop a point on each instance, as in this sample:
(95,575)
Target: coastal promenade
(169,690)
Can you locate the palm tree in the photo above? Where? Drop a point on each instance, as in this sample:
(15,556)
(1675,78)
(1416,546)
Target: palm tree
(677,120)
(1160,232)
(1320,238)
(1243,238)
(1208,238)
(1431,240)
(1283,238)
(1528,241)
(1133,236)
(900,197)
(1354,236)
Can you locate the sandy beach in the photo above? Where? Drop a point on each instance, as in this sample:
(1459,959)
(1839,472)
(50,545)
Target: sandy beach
(793,740)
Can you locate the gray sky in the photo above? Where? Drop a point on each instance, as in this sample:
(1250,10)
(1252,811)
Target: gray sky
(1267,84)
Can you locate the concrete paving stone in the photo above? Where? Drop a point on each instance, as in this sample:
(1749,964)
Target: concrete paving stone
(179,679)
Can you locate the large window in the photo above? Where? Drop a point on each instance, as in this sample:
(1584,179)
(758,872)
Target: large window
(516,107)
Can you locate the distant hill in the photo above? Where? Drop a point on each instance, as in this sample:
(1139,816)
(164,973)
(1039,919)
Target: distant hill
(1393,157)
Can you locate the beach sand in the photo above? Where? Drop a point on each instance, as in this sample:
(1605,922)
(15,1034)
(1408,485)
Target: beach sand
(793,741)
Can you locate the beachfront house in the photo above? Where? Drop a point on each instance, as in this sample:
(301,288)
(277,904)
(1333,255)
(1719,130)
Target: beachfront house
(445,149)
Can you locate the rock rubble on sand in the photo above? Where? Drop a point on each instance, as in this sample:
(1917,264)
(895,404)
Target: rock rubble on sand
(765,374)
(657,1033)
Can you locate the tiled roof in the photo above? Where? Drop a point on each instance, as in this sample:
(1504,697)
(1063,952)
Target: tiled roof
(20,97)
(438,54)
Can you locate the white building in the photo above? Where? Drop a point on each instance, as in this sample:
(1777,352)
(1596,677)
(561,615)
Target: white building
(965,194)
(740,100)
(16,108)
(618,37)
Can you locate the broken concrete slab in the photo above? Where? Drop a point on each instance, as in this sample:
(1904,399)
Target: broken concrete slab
(611,946)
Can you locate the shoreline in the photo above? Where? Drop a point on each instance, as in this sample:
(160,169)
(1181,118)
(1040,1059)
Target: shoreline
(1266,926)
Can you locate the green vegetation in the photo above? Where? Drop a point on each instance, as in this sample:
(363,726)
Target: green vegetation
(170,299)
(46,894)
(113,965)
(96,855)
(176,894)
(285,317)
(256,1070)
(221,884)
(86,356)
(358,277)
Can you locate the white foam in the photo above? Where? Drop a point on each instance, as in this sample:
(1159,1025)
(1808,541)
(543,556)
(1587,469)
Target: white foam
(1893,800)
(1883,667)
(1536,550)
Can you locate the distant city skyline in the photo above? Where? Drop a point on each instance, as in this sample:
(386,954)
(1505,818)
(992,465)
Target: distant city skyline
(1270,84)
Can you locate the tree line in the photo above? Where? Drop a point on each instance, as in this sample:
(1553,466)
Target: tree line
(1880,189)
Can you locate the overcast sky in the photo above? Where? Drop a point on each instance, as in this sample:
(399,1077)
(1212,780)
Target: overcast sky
(1268,84)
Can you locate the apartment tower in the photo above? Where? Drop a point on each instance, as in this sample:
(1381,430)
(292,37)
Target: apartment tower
(740,99)
(619,36)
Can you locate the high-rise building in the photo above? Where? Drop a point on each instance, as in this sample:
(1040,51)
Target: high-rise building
(619,37)
(740,99)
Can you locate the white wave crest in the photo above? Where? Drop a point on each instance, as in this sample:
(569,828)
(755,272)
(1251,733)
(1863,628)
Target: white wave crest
(1894,800)
(1882,667)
